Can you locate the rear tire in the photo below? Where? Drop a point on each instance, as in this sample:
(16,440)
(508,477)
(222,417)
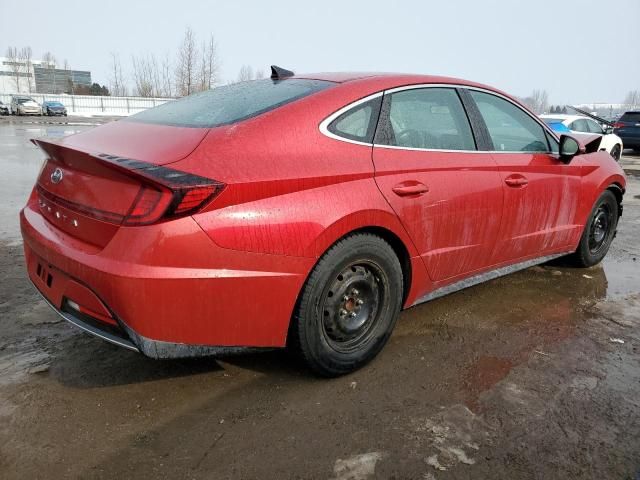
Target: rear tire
(598,232)
(348,306)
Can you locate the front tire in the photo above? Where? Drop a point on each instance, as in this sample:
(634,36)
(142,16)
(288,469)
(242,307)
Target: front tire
(598,232)
(348,306)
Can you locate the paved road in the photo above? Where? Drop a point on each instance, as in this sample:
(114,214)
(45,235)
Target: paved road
(535,375)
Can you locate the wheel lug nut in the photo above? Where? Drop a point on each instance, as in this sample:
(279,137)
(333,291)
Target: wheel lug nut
(355,292)
(342,312)
(352,314)
(359,301)
(345,298)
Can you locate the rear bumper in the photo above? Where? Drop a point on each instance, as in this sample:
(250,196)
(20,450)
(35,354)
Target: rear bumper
(127,338)
(91,327)
(165,290)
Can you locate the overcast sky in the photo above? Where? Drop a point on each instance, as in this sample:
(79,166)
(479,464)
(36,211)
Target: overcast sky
(578,50)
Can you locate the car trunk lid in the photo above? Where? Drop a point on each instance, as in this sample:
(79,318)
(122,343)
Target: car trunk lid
(89,192)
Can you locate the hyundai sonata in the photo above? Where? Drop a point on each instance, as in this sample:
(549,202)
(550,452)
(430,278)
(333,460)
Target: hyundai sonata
(306,211)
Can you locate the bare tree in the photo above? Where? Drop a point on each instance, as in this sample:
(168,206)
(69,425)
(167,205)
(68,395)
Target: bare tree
(165,72)
(186,64)
(13,57)
(209,64)
(245,74)
(26,56)
(538,102)
(259,74)
(143,76)
(117,85)
(632,100)
(48,60)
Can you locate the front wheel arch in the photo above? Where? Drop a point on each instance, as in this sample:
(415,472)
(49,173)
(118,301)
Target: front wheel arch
(618,191)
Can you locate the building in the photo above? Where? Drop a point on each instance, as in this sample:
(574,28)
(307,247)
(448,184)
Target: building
(39,77)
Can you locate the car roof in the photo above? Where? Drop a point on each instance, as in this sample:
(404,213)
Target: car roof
(390,79)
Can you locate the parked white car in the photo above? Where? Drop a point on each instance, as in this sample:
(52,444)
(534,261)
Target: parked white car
(580,124)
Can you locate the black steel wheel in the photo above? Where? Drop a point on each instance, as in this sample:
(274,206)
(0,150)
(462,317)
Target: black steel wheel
(348,306)
(599,231)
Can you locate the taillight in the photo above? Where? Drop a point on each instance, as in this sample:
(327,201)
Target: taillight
(164,194)
(148,207)
(155,204)
(618,125)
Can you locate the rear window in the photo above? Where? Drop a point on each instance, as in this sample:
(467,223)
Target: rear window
(230,103)
(630,117)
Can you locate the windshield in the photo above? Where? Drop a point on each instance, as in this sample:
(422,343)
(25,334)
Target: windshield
(24,100)
(54,104)
(230,103)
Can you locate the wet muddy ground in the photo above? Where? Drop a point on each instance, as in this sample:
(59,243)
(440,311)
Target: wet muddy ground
(535,375)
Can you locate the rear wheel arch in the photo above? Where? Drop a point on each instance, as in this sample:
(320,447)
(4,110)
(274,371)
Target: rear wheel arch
(395,242)
(399,248)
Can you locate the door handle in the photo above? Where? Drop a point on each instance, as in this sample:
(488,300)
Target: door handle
(516,181)
(410,188)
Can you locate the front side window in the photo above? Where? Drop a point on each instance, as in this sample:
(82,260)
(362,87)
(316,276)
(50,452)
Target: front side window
(230,103)
(426,118)
(510,128)
(358,123)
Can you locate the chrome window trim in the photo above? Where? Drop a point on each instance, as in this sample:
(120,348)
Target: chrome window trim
(327,121)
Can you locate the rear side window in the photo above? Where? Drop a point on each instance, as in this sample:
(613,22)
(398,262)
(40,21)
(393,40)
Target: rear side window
(426,118)
(358,123)
(510,128)
(630,117)
(230,103)
(580,125)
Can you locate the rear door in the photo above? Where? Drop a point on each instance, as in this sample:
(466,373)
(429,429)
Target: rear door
(447,194)
(541,193)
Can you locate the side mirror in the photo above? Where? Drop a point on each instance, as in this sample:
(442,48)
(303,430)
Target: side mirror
(569,148)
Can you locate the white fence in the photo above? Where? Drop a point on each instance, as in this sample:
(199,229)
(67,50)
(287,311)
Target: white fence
(94,105)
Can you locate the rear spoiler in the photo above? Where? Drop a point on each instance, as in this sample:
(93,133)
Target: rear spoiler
(590,115)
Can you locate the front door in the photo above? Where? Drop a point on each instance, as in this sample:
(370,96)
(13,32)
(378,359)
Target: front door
(541,193)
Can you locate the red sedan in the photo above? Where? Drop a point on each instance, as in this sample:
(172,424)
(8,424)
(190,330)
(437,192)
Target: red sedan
(306,210)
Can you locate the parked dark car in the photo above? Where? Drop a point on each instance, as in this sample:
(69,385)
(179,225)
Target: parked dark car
(4,109)
(54,108)
(628,129)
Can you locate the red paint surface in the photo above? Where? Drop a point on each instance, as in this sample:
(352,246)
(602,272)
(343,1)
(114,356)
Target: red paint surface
(231,273)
